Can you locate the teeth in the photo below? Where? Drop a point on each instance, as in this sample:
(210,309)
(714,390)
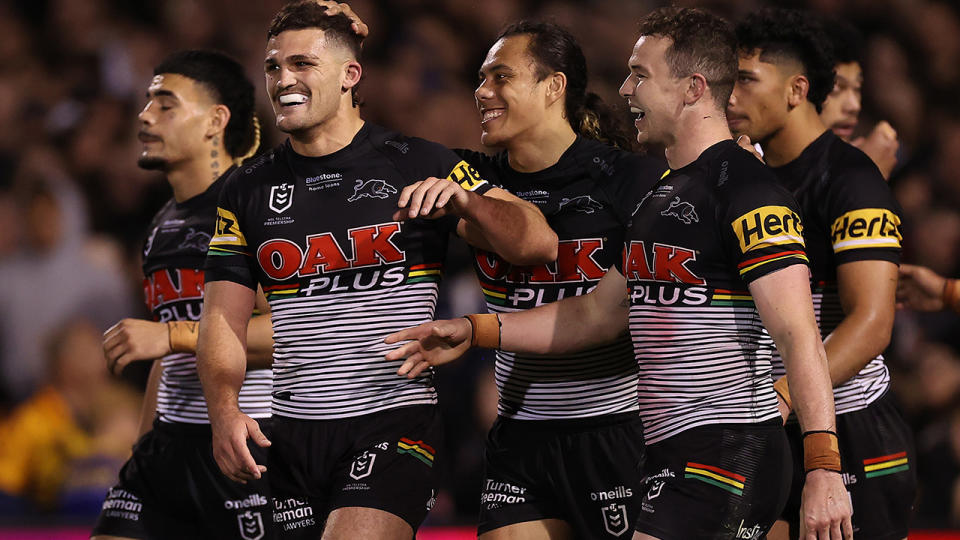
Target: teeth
(291,99)
(639,112)
(489,115)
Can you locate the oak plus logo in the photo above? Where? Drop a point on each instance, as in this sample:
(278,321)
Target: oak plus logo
(373,245)
(281,198)
(669,263)
(575,263)
(373,188)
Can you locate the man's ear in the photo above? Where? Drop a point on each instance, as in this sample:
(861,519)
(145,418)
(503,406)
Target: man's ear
(351,74)
(556,87)
(797,88)
(218,120)
(696,89)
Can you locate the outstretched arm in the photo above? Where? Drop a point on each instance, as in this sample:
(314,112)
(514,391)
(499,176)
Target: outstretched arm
(572,324)
(221,365)
(922,289)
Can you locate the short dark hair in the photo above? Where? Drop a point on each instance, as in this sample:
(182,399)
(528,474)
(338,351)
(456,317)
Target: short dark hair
(554,49)
(778,33)
(224,78)
(304,14)
(703,43)
(846,40)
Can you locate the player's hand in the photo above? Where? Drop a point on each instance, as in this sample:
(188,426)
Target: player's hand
(783,408)
(132,340)
(434,343)
(920,288)
(825,507)
(431,198)
(335,8)
(881,145)
(747,145)
(230,433)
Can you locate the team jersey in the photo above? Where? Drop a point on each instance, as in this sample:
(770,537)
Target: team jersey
(339,272)
(696,240)
(579,196)
(173,260)
(849,215)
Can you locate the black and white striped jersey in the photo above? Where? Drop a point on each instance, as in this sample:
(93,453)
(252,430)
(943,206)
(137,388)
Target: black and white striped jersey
(696,240)
(173,259)
(340,274)
(579,195)
(849,214)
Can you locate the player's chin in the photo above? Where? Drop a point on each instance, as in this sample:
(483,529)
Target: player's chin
(152,162)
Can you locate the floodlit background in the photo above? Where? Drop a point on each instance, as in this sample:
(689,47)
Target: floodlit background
(74,208)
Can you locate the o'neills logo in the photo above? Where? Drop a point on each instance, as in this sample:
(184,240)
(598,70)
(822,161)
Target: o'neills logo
(669,263)
(372,246)
(768,226)
(866,228)
(575,263)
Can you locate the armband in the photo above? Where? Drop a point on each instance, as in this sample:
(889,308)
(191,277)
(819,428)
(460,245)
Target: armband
(183,336)
(486,330)
(782,389)
(951,294)
(821,450)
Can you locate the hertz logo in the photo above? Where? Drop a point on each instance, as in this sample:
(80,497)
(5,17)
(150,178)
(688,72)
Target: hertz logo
(866,228)
(768,226)
(465,175)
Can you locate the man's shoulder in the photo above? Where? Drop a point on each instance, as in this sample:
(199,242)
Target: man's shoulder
(404,148)
(258,167)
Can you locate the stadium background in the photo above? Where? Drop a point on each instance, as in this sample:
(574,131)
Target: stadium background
(74,208)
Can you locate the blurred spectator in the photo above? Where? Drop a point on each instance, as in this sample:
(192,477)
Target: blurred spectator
(63,446)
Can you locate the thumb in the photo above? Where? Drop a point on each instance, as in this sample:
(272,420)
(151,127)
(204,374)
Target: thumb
(744,141)
(253,428)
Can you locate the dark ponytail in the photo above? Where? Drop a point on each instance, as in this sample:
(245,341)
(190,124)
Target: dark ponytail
(554,49)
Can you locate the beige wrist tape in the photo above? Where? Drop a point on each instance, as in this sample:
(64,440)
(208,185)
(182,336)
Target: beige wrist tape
(183,335)
(821,450)
(486,330)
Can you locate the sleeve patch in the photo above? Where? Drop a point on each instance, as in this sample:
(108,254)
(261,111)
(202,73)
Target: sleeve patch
(465,175)
(768,226)
(866,228)
(228,238)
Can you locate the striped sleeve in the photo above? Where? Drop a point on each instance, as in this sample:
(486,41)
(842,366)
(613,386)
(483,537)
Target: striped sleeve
(761,223)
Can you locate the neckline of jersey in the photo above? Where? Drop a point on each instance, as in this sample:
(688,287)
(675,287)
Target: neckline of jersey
(565,158)
(810,153)
(358,138)
(200,198)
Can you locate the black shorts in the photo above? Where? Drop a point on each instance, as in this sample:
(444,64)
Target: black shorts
(383,460)
(171,487)
(718,482)
(876,449)
(587,472)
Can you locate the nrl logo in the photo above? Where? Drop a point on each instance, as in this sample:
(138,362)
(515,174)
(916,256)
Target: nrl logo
(251,525)
(362,466)
(375,189)
(615,519)
(281,198)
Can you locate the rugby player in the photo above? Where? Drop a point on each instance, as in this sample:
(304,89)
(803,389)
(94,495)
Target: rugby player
(197,124)
(841,109)
(568,436)
(316,222)
(852,233)
(712,255)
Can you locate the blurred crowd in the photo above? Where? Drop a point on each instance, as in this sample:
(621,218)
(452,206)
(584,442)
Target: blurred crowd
(74,207)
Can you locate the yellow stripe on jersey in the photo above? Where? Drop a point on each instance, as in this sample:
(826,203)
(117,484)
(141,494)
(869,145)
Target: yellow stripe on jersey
(768,226)
(228,230)
(866,228)
(465,175)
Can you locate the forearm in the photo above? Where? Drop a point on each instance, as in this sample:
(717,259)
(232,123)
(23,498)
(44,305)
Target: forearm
(570,325)
(809,378)
(221,363)
(856,341)
(148,411)
(515,230)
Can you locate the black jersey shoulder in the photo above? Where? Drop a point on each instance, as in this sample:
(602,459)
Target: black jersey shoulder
(493,168)
(418,158)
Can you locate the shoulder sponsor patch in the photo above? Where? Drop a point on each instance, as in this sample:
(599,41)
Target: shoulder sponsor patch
(866,228)
(465,175)
(768,226)
(228,239)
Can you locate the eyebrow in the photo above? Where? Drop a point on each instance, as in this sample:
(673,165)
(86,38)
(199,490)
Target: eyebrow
(495,67)
(161,93)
